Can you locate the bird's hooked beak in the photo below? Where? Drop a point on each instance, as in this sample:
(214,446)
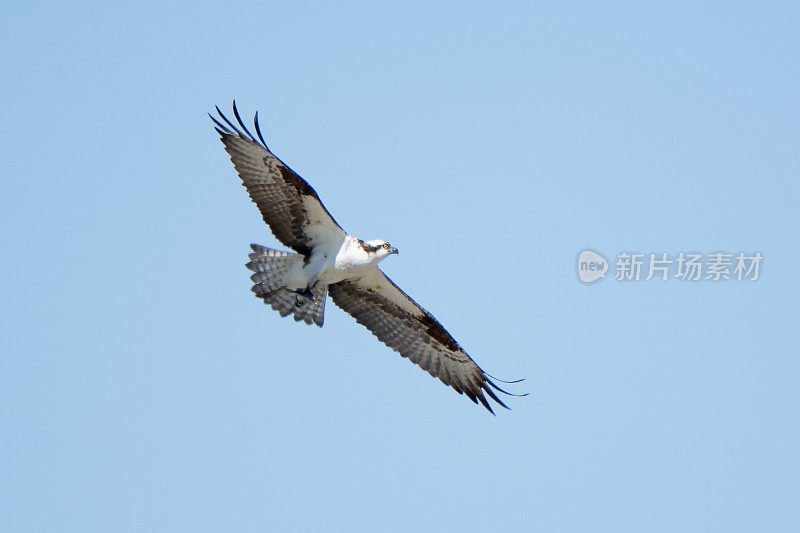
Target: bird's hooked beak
(393,250)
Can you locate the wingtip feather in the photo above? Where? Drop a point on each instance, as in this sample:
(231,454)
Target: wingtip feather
(495,398)
(258,131)
(504,381)
(228,122)
(485,403)
(495,387)
(241,123)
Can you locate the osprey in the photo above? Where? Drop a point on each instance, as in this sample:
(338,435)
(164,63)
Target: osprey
(330,261)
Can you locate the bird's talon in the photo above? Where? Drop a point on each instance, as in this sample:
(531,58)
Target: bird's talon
(302,294)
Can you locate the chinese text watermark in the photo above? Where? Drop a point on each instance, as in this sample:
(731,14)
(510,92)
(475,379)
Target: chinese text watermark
(684,266)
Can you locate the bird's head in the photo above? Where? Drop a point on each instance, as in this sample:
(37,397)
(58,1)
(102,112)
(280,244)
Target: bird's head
(378,249)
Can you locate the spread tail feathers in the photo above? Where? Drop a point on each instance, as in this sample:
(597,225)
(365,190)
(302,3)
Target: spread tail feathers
(270,268)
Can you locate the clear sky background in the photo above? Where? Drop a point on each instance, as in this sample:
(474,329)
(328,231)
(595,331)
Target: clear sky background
(144,388)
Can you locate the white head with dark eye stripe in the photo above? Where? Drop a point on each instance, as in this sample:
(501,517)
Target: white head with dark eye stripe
(378,249)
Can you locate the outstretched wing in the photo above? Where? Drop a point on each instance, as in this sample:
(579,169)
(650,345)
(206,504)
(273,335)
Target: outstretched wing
(400,323)
(288,204)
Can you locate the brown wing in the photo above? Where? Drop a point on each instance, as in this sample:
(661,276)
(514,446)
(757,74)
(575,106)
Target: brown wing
(400,323)
(288,204)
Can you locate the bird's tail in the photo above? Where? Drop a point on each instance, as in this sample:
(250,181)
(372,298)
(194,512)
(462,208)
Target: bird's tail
(270,269)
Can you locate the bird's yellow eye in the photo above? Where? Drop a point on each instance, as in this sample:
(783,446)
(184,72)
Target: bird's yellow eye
(386,245)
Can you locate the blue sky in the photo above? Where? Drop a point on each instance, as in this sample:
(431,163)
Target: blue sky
(143,388)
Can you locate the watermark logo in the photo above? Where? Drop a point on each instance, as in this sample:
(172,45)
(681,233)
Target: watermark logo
(684,266)
(591,266)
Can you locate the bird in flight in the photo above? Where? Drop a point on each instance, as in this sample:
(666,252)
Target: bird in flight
(330,261)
